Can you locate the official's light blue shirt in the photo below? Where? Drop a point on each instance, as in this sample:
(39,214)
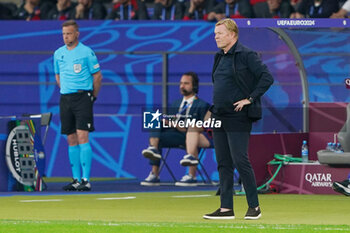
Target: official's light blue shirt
(75,68)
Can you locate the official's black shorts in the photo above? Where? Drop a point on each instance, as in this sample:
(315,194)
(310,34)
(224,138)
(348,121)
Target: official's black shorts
(76,112)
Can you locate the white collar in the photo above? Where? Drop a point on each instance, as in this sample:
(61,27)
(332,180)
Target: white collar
(189,101)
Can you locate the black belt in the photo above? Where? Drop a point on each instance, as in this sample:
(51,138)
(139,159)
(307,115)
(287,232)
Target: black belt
(78,92)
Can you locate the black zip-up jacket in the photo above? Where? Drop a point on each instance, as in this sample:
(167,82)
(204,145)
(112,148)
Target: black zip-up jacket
(251,75)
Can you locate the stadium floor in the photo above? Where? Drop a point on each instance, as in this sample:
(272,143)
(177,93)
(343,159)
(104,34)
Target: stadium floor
(113,186)
(125,186)
(125,206)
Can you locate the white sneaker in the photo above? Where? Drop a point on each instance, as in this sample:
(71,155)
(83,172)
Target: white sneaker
(151,153)
(189,160)
(151,180)
(187,180)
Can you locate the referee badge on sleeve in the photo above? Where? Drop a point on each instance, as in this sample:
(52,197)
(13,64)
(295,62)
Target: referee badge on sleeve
(77,68)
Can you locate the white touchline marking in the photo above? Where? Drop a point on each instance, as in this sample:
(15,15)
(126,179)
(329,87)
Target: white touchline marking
(47,200)
(254,226)
(185,196)
(115,198)
(318,228)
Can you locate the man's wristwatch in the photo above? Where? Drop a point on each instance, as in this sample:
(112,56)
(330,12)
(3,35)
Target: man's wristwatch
(250,99)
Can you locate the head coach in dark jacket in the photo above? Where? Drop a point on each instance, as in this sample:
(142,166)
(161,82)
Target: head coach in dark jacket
(240,79)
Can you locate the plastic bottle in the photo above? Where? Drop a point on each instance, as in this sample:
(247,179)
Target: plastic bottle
(304,152)
(339,148)
(334,146)
(329,146)
(237,184)
(235,177)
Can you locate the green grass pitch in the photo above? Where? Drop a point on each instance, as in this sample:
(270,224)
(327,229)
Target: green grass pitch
(170,212)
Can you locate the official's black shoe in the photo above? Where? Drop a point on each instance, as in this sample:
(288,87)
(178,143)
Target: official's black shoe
(84,186)
(220,215)
(342,187)
(72,186)
(253,213)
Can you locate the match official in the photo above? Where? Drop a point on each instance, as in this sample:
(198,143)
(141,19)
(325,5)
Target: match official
(78,75)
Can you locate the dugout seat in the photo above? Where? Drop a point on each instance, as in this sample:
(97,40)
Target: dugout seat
(200,167)
(339,159)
